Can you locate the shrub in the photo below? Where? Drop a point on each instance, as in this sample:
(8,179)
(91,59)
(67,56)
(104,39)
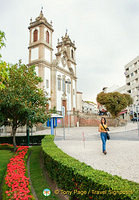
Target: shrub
(22,140)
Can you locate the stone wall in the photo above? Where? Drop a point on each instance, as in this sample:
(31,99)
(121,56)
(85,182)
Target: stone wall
(94,120)
(22,129)
(71,120)
(82,119)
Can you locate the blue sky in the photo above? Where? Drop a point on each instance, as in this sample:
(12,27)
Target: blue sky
(106,34)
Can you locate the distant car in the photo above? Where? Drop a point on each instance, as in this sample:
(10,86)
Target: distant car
(102,113)
(134,119)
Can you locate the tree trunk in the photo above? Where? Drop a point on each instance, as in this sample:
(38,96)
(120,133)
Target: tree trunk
(14,140)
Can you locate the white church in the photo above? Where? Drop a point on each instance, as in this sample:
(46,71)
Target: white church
(59,74)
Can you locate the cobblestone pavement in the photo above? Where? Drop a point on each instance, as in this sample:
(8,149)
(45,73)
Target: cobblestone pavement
(85,145)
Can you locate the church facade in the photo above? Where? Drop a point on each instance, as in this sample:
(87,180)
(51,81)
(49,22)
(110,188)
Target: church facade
(59,74)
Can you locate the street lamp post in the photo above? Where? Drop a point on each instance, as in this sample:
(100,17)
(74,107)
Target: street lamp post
(27,133)
(63,114)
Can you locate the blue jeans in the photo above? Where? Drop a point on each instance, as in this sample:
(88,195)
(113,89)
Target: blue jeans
(103,138)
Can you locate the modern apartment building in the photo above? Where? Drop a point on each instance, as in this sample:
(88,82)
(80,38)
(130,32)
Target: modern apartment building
(132,79)
(116,88)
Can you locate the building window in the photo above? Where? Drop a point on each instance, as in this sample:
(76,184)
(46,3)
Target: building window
(73,92)
(129,91)
(47,83)
(68,88)
(68,82)
(135,63)
(127,76)
(63,85)
(59,83)
(132,74)
(72,56)
(35,35)
(47,37)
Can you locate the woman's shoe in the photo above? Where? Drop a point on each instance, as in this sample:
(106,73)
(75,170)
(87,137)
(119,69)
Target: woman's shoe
(105,152)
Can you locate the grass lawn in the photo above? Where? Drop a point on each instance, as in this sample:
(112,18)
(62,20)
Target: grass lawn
(36,174)
(5,155)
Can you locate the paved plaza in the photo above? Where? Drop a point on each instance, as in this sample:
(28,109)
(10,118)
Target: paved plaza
(84,144)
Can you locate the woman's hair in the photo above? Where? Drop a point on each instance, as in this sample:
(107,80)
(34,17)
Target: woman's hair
(104,120)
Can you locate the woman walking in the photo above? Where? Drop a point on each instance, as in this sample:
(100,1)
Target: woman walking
(103,130)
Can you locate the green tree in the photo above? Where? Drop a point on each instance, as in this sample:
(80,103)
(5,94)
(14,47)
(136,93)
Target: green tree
(3,65)
(129,99)
(114,102)
(2,40)
(101,98)
(22,101)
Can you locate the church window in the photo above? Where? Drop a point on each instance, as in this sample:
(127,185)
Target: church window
(68,86)
(47,83)
(63,85)
(35,35)
(47,37)
(59,83)
(72,56)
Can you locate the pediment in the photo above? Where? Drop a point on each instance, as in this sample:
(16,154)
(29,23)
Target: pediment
(62,61)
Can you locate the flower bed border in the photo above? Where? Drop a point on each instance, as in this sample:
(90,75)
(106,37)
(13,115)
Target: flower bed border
(16,184)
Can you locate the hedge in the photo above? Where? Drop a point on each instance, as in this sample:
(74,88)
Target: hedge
(82,182)
(22,140)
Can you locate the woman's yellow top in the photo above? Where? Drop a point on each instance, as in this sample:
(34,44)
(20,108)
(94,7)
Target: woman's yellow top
(101,127)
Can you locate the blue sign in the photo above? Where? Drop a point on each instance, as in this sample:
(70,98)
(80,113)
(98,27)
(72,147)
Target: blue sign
(54,122)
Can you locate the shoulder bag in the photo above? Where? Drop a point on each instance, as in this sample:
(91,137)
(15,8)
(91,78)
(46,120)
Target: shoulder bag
(108,136)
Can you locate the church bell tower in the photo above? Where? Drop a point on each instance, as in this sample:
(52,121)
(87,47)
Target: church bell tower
(40,49)
(66,51)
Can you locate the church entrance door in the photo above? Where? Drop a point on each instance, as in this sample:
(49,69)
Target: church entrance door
(64,103)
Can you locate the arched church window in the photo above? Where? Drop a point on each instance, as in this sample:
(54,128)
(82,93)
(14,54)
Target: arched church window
(47,37)
(72,54)
(35,35)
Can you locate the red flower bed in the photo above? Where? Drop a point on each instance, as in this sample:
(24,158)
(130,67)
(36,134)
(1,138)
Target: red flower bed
(6,144)
(17,182)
